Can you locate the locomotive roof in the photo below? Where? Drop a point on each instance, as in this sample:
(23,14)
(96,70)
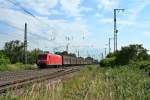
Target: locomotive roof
(48,54)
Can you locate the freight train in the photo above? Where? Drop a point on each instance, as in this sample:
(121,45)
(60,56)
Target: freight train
(52,60)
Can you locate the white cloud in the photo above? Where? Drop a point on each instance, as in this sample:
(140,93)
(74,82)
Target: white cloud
(40,6)
(98,15)
(44,29)
(85,9)
(147,33)
(137,8)
(126,22)
(48,7)
(5,4)
(108,4)
(55,12)
(121,22)
(71,7)
(106,20)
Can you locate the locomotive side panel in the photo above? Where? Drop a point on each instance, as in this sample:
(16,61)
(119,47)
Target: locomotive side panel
(47,59)
(55,60)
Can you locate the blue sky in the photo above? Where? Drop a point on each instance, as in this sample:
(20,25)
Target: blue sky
(87,23)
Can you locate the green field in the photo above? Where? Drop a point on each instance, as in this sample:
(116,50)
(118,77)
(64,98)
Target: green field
(94,83)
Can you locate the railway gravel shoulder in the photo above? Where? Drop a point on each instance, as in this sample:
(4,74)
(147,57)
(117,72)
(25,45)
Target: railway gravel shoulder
(18,79)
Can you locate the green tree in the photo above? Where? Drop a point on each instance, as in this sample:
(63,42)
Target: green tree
(131,53)
(32,55)
(61,53)
(66,53)
(14,50)
(127,54)
(89,58)
(110,55)
(3,58)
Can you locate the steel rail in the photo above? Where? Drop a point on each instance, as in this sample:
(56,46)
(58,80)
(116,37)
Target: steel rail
(34,79)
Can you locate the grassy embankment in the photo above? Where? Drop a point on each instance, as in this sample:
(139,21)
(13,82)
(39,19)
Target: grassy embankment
(123,83)
(16,67)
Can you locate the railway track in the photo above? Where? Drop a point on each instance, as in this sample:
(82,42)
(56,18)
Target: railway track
(13,80)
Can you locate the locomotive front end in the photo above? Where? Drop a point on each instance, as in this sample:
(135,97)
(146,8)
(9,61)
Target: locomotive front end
(42,60)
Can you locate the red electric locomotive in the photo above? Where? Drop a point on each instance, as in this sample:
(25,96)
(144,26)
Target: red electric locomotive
(48,59)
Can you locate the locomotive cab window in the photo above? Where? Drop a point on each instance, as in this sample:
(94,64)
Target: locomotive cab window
(42,57)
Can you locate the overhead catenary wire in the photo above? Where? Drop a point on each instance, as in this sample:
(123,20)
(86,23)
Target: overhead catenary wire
(17,4)
(29,13)
(30,33)
(20,29)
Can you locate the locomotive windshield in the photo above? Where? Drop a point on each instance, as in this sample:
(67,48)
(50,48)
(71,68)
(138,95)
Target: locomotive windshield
(42,57)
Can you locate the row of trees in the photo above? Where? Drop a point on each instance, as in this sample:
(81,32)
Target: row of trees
(66,53)
(127,54)
(13,52)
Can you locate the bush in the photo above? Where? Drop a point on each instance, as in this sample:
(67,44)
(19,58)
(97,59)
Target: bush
(131,53)
(108,62)
(17,67)
(110,55)
(4,60)
(4,68)
(127,54)
(122,83)
(143,65)
(22,66)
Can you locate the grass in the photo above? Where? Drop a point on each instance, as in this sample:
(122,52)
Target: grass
(17,66)
(92,83)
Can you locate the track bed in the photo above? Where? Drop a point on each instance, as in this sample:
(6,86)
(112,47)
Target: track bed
(12,80)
